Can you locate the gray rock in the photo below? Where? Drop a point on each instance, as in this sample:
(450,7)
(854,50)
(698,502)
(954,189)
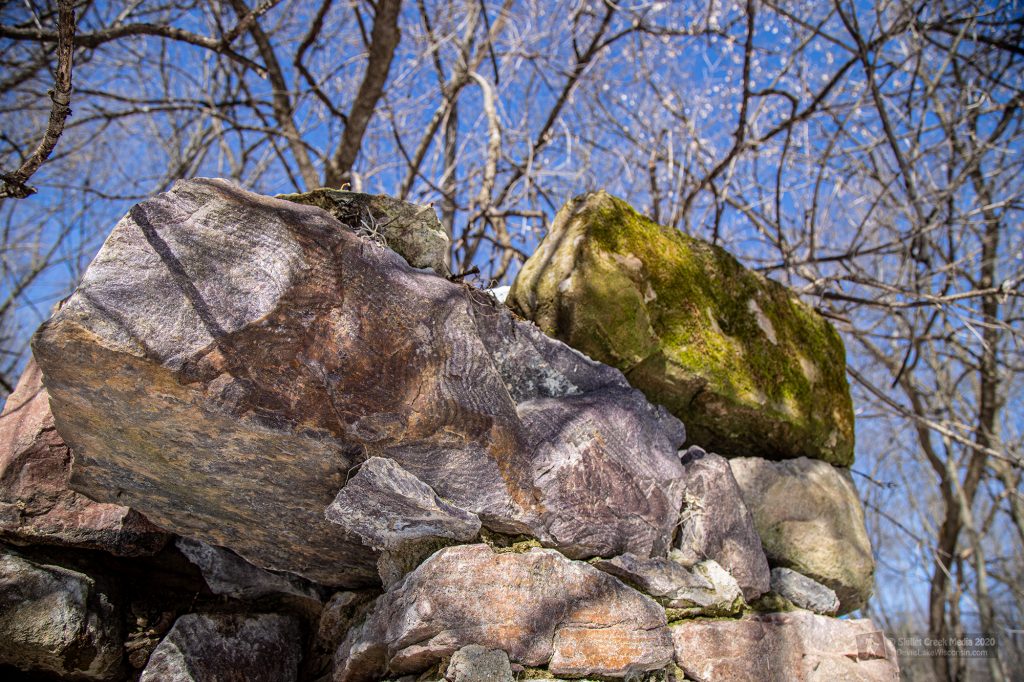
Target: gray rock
(386,507)
(798,646)
(804,592)
(716,524)
(230,575)
(412,231)
(538,606)
(228,358)
(208,647)
(705,589)
(590,507)
(598,446)
(809,517)
(56,620)
(36,504)
(399,515)
(475,663)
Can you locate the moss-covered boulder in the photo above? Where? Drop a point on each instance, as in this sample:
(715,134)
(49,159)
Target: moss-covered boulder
(747,366)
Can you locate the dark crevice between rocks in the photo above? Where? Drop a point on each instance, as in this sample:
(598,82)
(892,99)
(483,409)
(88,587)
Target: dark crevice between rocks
(149,594)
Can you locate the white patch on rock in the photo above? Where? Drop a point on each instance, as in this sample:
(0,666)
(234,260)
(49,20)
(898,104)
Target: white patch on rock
(714,323)
(809,368)
(649,294)
(762,321)
(630,261)
(499,293)
(565,285)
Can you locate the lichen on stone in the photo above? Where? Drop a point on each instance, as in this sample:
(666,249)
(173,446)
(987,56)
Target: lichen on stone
(413,231)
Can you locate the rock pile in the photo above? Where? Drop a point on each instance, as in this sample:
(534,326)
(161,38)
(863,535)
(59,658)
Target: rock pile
(268,439)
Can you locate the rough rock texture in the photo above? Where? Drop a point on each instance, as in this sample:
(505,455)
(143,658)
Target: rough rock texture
(475,663)
(227,648)
(715,523)
(339,614)
(809,518)
(227,402)
(538,606)
(399,515)
(704,589)
(386,507)
(748,368)
(784,647)
(56,620)
(412,231)
(803,592)
(230,575)
(36,504)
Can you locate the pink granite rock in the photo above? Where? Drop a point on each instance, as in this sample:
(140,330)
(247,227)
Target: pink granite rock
(36,504)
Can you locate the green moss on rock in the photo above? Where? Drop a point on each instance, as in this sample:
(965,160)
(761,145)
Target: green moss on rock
(747,366)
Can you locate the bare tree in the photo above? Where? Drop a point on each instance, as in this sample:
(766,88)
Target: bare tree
(867,155)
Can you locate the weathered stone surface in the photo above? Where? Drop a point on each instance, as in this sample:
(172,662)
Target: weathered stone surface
(229,357)
(230,575)
(412,231)
(399,515)
(202,647)
(36,504)
(591,507)
(538,606)
(598,448)
(810,519)
(386,507)
(56,620)
(804,592)
(715,523)
(784,647)
(475,663)
(748,368)
(703,589)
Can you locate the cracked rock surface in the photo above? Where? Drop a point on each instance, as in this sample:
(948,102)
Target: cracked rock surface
(714,522)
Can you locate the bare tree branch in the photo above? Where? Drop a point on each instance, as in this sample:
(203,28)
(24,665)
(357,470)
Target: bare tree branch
(60,109)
